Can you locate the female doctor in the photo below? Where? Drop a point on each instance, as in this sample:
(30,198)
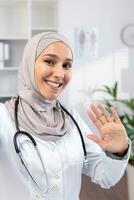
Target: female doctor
(44,148)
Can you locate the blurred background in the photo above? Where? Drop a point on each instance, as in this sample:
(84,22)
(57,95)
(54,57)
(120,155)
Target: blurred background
(102,36)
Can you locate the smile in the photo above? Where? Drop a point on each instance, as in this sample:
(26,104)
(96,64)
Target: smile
(53,84)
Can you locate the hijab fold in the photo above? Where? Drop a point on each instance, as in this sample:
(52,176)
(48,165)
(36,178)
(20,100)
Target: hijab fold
(37,115)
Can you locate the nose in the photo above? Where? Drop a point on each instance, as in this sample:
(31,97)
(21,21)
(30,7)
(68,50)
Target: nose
(59,72)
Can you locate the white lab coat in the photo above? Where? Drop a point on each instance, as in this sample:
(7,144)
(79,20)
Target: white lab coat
(63,162)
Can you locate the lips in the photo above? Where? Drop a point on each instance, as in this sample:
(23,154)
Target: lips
(53,84)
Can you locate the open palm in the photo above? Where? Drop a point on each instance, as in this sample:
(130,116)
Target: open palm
(113,134)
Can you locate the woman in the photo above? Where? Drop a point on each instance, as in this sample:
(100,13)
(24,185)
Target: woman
(54,170)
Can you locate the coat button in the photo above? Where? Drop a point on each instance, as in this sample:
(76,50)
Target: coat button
(37,196)
(53,148)
(56,182)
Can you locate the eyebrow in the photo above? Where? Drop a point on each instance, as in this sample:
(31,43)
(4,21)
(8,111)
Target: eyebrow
(55,56)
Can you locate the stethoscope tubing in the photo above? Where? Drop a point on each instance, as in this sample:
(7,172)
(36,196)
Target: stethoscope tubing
(20,132)
(80,133)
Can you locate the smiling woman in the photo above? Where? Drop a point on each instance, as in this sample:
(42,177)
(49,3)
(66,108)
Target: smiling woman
(44,147)
(53,69)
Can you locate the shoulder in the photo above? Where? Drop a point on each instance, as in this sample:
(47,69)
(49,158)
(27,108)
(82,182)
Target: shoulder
(3,111)
(73,112)
(2,116)
(81,123)
(2,107)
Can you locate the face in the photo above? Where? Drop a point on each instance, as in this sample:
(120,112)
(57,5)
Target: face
(53,70)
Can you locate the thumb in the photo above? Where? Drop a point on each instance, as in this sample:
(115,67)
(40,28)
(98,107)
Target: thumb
(94,138)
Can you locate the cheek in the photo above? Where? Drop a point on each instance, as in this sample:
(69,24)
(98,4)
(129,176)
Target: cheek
(38,74)
(68,76)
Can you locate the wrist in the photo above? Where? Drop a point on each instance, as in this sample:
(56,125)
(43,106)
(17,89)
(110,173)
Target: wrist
(122,153)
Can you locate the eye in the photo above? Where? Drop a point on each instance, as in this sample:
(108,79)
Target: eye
(67,65)
(49,62)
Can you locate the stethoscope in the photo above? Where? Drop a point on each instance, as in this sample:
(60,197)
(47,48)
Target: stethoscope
(32,140)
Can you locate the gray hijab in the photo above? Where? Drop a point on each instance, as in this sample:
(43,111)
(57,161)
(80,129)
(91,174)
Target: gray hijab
(36,115)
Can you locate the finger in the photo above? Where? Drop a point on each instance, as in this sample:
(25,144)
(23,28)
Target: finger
(98,114)
(105,113)
(115,115)
(95,120)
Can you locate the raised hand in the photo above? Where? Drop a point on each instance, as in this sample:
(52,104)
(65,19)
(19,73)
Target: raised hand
(113,136)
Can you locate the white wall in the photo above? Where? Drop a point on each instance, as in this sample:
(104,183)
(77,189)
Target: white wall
(108,15)
(115,61)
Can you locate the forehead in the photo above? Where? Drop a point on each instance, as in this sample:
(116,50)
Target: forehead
(58,48)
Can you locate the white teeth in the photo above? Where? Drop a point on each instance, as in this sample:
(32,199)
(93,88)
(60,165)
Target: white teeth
(53,84)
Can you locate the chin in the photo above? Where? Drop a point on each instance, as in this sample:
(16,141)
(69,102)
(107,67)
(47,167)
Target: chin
(51,97)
